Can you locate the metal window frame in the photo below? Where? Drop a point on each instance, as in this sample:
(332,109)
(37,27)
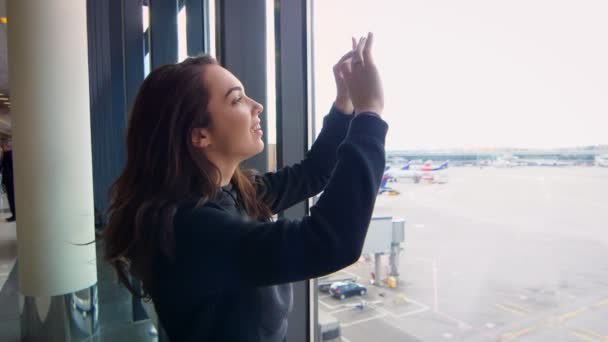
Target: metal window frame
(294,132)
(116,50)
(197,26)
(134,50)
(163,32)
(242,27)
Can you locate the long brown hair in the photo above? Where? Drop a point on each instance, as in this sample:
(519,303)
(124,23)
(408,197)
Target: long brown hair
(163,169)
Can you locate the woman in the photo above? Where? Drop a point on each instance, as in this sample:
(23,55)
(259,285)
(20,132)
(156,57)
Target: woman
(197,230)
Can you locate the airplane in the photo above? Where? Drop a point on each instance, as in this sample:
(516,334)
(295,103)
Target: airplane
(428,166)
(386,189)
(426,172)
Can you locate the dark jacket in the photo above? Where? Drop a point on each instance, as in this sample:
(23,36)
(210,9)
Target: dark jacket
(6,167)
(228,281)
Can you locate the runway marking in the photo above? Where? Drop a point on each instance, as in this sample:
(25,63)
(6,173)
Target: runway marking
(600,303)
(513,335)
(513,308)
(585,337)
(351,274)
(331,307)
(409,313)
(517,306)
(461,324)
(345,339)
(571,315)
(340,310)
(588,332)
(408,299)
(363,320)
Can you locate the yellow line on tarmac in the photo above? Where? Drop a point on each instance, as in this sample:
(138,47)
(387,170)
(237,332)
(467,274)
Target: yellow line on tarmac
(516,334)
(519,307)
(589,332)
(511,310)
(601,303)
(584,337)
(570,315)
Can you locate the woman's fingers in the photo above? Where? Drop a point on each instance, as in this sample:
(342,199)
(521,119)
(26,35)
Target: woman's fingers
(346,70)
(367,50)
(358,55)
(363,80)
(348,55)
(354,42)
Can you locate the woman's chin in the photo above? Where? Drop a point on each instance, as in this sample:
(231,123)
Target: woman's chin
(259,148)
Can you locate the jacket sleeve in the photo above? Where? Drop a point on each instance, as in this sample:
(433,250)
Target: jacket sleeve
(293,184)
(217,251)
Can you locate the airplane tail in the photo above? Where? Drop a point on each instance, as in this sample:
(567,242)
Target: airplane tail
(384,181)
(383,187)
(428,166)
(406,166)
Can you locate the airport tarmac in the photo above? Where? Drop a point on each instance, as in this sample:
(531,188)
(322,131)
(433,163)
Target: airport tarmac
(493,255)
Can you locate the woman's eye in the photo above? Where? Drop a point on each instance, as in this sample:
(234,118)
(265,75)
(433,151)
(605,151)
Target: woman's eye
(237,100)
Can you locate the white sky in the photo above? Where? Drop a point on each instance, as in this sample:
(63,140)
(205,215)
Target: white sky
(477,73)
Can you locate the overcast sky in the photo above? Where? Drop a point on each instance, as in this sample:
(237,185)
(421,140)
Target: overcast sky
(477,73)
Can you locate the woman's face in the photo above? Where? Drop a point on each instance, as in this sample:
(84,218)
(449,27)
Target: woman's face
(235,130)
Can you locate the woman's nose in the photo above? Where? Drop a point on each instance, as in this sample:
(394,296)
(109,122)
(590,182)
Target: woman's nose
(258,108)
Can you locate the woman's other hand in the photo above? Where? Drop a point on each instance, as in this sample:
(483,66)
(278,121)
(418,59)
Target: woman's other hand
(343,101)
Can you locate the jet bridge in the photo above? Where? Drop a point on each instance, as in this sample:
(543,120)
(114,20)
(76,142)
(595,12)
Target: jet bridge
(384,236)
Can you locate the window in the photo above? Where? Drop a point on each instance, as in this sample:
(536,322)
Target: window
(182,37)
(270,110)
(497,115)
(145,10)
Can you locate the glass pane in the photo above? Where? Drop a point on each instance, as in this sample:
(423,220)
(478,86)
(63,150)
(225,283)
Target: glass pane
(270,110)
(146,36)
(497,115)
(182,37)
(212,29)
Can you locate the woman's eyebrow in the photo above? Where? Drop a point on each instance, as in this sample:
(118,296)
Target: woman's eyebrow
(232,89)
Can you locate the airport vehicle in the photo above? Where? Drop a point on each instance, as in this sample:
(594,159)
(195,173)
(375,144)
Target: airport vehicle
(341,290)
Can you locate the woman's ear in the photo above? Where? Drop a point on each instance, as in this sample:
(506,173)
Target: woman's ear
(200,137)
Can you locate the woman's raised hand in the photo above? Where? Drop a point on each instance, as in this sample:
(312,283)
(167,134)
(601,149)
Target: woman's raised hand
(362,78)
(343,101)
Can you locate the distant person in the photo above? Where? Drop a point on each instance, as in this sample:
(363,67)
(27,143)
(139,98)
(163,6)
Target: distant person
(6,167)
(197,230)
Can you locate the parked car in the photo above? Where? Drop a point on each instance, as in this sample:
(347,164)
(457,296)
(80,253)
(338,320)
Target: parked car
(325,283)
(341,290)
